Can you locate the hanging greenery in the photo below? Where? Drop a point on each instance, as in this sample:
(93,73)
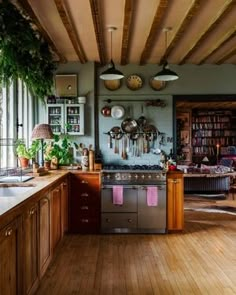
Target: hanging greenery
(24,53)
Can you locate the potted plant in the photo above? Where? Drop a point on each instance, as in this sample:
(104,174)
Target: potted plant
(25,154)
(60,150)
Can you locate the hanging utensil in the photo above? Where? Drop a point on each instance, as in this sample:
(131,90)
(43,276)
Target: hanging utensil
(142,120)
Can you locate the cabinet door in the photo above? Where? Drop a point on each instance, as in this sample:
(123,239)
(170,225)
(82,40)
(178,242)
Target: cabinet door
(55,117)
(85,203)
(44,234)
(74,119)
(175,208)
(10,255)
(56,216)
(64,206)
(30,249)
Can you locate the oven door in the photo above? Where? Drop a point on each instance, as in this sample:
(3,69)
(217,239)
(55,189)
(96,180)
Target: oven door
(152,218)
(119,218)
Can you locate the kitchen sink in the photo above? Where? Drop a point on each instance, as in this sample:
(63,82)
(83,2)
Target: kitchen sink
(9,179)
(14,191)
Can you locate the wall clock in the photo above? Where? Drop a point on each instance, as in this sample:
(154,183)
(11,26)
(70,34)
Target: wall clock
(134,82)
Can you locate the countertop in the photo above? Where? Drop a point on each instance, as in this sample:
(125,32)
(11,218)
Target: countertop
(36,185)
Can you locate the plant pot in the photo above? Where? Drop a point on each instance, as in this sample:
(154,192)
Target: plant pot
(24,163)
(47,165)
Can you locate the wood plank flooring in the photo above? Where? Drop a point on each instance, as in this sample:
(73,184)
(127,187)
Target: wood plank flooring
(200,260)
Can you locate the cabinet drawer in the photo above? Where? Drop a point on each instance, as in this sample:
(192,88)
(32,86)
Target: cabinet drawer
(129,201)
(86,224)
(119,220)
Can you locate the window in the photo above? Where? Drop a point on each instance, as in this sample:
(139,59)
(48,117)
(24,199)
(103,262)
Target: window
(17,117)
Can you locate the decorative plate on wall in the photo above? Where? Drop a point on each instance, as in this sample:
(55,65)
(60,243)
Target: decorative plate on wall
(134,82)
(112,84)
(157,84)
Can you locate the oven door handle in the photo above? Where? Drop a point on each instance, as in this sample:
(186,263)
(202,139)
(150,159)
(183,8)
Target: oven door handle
(124,186)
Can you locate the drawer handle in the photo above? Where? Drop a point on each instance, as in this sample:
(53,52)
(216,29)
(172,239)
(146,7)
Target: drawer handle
(8,232)
(175,181)
(84,195)
(85,220)
(84,181)
(84,207)
(108,220)
(130,220)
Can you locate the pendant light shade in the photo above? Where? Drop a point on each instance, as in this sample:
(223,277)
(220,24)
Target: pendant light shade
(111,73)
(166,74)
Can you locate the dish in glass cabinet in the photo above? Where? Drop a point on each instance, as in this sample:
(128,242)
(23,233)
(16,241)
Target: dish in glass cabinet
(134,82)
(112,84)
(157,84)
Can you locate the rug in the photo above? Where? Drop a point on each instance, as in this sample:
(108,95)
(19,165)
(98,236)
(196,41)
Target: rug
(208,204)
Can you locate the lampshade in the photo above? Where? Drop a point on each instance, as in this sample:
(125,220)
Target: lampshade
(42,131)
(111,73)
(166,74)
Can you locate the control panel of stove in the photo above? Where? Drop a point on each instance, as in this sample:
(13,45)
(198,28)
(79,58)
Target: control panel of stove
(131,177)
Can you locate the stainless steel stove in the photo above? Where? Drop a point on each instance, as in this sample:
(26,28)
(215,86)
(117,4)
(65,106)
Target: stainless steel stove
(134,215)
(134,174)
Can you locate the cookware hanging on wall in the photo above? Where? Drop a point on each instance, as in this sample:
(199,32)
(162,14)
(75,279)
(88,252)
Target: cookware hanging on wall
(106,111)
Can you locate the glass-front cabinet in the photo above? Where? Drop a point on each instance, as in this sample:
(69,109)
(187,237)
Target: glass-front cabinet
(68,118)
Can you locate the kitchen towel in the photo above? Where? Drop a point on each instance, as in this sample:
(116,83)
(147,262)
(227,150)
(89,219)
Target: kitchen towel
(117,194)
(152,196)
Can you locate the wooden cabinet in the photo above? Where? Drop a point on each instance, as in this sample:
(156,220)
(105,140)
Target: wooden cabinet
(64,206)
(10,255)
(85,203)
(175,201)
(44,234)
(30,249)
(56,233)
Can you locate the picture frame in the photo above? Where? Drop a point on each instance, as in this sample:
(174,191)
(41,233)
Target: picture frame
(66,85)
(185,118)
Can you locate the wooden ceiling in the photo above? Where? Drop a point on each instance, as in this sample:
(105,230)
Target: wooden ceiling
(203,31)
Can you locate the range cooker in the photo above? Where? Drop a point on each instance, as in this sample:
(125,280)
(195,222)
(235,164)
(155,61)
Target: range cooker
(134,215)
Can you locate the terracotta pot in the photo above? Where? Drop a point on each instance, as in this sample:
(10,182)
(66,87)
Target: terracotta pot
(47,165)
(24,163)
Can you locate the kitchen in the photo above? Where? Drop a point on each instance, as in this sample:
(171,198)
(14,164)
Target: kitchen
(144,264)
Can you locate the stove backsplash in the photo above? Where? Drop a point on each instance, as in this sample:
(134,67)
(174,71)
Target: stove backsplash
(160,117)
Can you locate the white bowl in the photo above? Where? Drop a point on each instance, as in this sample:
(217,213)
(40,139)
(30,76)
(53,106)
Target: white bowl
(117,112)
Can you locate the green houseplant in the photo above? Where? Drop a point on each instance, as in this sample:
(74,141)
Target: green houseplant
(24,53)
(60,148)
(25,154)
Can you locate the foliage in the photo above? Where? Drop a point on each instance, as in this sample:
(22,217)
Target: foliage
(61,148)
(28,153)
(23,52)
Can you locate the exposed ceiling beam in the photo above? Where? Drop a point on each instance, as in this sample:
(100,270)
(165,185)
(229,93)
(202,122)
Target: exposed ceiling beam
(97,22)
(27,8)
(155,29)
(182,29)
(66,19)
(230,36)
(128,14)
(226,56)
(212,25)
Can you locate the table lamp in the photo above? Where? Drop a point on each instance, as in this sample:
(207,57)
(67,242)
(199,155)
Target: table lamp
(42,131)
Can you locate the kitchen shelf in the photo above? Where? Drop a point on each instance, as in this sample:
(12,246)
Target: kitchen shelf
(67,118)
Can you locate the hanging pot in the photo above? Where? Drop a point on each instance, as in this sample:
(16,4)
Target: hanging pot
(129,125)
(106,111)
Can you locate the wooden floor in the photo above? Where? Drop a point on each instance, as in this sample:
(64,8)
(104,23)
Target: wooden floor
(201,260)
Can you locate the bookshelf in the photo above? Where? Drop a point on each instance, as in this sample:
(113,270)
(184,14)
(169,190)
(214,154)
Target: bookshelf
(213,132)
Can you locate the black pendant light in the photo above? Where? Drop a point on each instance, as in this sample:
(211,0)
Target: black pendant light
(111,73)
(166,74)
